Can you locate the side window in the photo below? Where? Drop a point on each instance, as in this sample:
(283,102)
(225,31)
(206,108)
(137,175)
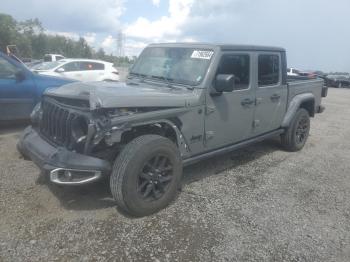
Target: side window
(269,70)
(237,65)
(98,66)
(87,66)
(70,67)
(7,70)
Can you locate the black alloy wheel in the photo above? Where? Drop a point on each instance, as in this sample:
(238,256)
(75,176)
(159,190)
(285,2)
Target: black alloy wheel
(146,175)
(155,177)
(302,130)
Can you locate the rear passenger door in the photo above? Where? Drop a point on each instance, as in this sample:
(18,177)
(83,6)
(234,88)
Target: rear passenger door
(92,71)
(271,93)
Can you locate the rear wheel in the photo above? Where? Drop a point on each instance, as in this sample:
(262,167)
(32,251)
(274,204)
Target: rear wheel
(297,133)
(146,175)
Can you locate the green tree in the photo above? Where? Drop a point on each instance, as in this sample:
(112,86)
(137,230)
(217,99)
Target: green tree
(8,31)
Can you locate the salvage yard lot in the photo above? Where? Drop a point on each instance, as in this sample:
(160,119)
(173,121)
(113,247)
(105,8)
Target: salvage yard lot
(256,204)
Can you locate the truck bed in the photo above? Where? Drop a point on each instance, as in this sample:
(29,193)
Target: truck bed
(298,86)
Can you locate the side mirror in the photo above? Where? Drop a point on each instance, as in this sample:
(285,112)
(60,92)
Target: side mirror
(224,83)
(60,70)
(20,75)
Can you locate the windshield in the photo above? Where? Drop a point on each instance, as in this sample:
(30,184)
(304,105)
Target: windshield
(47,65)
(173,64)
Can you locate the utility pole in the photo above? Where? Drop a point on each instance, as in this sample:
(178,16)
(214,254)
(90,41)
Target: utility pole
(120,44)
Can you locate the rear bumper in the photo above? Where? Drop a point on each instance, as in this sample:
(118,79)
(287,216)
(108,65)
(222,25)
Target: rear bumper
(64,167)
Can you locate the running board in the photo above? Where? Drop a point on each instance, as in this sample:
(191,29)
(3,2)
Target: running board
(224,150)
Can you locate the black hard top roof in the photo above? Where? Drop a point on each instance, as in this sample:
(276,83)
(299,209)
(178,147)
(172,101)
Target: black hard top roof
(223,47)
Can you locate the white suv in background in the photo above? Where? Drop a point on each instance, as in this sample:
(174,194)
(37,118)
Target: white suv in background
(85,70)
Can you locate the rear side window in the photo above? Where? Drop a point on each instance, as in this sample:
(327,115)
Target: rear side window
(269,70)
(237,65)
(86,66)
(70,67)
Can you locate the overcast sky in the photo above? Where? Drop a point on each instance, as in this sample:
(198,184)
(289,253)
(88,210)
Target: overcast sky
(316,33)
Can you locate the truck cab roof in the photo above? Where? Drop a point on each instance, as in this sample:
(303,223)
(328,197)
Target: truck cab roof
(222,46)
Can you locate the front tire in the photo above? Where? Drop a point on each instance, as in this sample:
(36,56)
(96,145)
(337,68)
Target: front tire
(297,133)
(146,175)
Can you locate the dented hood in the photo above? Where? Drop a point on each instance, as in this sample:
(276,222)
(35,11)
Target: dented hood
(120,94)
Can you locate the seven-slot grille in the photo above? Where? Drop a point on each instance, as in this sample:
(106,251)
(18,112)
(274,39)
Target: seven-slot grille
(56,123)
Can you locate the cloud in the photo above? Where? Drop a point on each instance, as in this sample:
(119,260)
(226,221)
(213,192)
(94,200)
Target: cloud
(71,35)
(156,2)
(166,26)
(79,16)
(90,38)
(313,31)
(108,42)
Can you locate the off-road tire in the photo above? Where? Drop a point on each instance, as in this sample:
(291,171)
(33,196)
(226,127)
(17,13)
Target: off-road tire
(130,163)
(290,140)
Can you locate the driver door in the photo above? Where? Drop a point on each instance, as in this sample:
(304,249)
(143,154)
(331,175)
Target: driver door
(17,96)
(229,116)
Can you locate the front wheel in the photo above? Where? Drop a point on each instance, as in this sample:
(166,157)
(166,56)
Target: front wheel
(146,175)
(297,133)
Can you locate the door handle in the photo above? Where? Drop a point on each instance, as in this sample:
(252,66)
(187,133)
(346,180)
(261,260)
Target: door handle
(247,102)
(275,97)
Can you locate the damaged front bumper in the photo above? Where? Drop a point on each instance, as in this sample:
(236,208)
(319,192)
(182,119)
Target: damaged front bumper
(64,167)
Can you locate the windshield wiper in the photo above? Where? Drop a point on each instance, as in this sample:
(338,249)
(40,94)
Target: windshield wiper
(167,79)
(141,76)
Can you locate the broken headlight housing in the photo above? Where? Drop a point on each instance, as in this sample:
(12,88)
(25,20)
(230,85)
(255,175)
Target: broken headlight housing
(122,111)
(36,114)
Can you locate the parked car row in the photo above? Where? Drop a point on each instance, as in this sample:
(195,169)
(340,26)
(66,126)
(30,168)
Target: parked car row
(331,80)
(338,81)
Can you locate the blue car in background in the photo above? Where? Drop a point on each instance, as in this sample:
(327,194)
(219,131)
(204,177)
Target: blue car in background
(21,89)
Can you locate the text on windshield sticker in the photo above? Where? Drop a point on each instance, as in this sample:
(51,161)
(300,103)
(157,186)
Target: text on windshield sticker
(202,54)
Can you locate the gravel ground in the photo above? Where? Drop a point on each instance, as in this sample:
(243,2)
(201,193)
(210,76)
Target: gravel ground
(257,204)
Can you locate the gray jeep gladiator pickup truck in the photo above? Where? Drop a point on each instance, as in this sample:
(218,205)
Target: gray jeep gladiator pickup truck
(181,103)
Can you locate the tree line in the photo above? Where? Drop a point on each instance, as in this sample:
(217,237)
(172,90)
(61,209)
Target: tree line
(33,42)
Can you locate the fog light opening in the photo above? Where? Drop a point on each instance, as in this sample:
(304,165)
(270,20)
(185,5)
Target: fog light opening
(70,176)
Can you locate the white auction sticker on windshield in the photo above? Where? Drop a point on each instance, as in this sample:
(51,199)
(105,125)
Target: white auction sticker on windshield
(202,54)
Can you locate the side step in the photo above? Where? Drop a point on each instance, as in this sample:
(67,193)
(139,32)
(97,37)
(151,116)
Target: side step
(224,150)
